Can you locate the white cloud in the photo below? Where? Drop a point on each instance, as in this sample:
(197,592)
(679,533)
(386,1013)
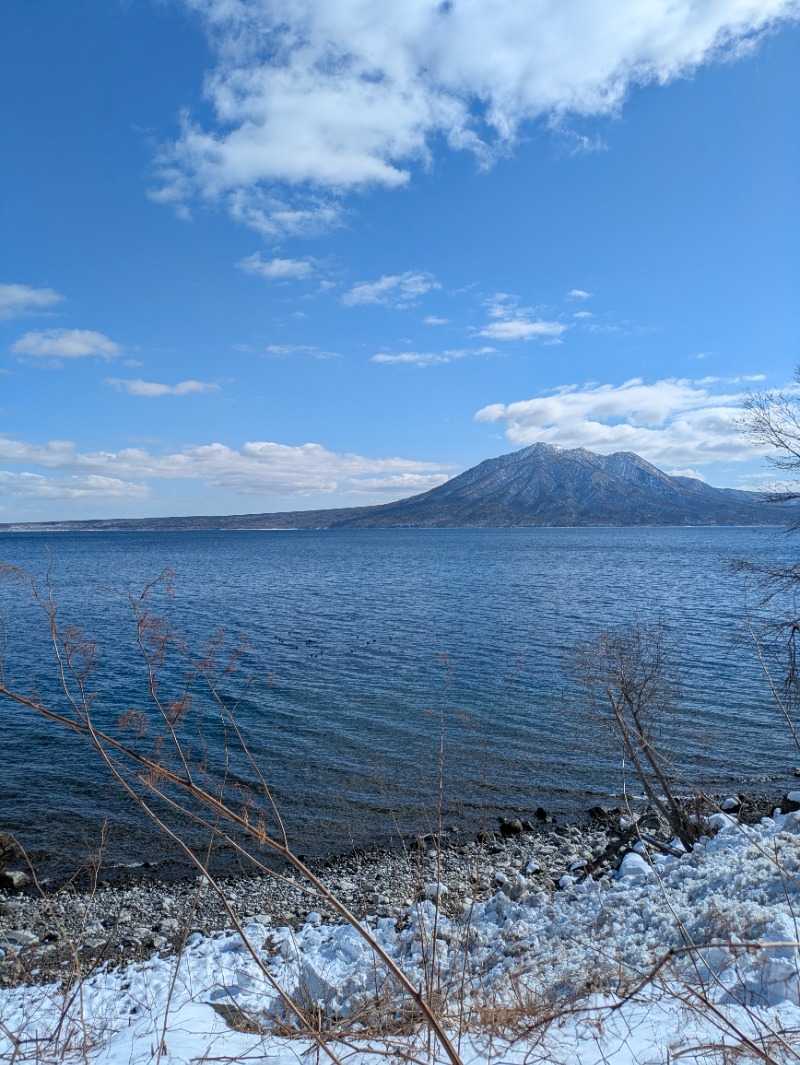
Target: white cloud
(412,358)
(696,474)
(93,486)
(512,322)
(396,290)
(583,314)
(433,319)
(19,301)
(137,387)
(285,350)
(276,219)
(258,468)
(333,97)
(403,484)
(673,422)
(277,269)
(429,358)
(579,294)
(522,329)
(65,344)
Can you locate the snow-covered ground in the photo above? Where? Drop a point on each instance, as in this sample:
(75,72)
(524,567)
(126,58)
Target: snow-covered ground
(559,978)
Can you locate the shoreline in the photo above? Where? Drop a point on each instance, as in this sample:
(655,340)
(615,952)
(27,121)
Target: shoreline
(47,938)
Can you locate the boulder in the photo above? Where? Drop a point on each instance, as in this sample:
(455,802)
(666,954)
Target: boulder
(510,826)
(14,880)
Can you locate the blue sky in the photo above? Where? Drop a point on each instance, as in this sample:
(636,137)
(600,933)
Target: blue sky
(298,253)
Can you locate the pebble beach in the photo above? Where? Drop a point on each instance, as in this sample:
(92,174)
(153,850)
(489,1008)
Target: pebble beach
(47,935)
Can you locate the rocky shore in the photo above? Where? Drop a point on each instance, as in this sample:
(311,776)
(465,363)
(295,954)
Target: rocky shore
(56,937)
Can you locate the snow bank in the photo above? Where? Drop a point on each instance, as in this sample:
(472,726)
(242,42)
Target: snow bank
(587,946)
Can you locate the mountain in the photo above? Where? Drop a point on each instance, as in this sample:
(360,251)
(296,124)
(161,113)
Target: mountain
(548,485)
(540,485)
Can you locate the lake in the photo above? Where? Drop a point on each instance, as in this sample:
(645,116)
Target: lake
(368,647)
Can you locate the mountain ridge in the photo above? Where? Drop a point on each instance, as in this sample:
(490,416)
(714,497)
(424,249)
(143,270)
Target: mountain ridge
(539,485)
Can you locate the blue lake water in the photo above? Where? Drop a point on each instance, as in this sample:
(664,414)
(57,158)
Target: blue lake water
(363,644)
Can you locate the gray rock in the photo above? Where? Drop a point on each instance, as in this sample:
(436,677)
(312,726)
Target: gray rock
(510,826)
(20,938)
(14,880)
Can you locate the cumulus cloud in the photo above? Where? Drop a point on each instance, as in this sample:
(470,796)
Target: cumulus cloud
(673,422)
(333,97)
(397,290)
(277,269)
(65,344)
(19,301)
(258,468)
(137,387)
(512,322)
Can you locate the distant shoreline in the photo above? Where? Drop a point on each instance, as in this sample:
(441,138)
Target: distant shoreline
(46,528)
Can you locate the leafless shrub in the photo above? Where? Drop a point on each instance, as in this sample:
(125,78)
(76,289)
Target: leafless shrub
(631,686)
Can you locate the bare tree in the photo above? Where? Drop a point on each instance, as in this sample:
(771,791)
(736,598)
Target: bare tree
(632,685)
(772,420)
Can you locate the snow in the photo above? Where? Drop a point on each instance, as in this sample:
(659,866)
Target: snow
(581,957)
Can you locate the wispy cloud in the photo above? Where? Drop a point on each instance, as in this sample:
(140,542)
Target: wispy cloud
(318,95)
(65,344)
(509,321)
(20,301)
(579,294)
(277,269)
(287,350)
(433,319)
(672,422)
(257,468)
(275,218)
(522,329)
(137,387)
(429,358)
(391,290)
